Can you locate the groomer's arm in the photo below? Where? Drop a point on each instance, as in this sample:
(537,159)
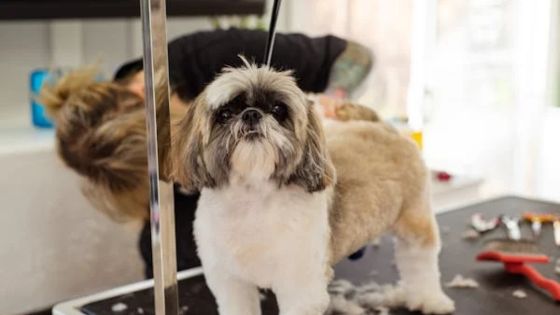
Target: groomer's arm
(330,67)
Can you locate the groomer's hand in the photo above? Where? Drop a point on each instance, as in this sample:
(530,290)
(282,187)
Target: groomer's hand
(329,105)
(345,110)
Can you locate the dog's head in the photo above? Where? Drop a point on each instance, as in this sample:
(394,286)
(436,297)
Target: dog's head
(251,124)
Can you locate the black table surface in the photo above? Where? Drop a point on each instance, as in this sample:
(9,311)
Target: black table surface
(493,296)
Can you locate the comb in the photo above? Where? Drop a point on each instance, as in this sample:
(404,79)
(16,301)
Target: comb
(514,255)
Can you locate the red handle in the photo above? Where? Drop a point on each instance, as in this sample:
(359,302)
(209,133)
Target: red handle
(551,286)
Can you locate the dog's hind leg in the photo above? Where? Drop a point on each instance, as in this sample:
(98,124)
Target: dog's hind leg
(416,255)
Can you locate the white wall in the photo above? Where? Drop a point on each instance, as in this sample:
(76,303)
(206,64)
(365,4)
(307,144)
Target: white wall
(25,46)
(108,42)
(488,98)
(28,45)
(53,244)
(383,26)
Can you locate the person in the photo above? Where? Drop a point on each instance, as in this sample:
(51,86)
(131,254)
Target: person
(100,126)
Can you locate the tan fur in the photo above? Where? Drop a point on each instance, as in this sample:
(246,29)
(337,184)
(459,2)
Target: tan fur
(350,111)
(380,175)
(186,137)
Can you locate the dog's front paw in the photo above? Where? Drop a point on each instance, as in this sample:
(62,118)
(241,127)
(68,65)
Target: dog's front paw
(430,303)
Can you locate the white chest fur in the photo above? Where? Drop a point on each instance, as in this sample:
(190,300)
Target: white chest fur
(257,233)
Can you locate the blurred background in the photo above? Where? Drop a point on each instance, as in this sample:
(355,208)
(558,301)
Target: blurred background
(480,80)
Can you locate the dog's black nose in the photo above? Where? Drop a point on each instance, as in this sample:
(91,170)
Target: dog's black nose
(251,117)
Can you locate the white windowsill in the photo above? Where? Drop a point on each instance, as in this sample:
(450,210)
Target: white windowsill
(18,135)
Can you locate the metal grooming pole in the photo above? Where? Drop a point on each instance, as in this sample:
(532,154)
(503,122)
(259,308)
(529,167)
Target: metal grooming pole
(162,214)
(158,128)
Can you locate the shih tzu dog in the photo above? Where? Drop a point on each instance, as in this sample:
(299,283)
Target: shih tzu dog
(282,200)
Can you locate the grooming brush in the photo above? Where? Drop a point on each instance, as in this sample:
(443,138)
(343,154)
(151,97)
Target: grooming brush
(515,255)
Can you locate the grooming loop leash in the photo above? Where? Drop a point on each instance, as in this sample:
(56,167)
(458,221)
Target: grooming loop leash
(272,32)
(162,215)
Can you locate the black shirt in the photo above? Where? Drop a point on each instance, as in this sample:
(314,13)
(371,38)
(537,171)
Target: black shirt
(185,206)
(196,59)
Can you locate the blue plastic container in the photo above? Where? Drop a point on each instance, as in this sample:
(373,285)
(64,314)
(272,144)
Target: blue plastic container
(38,114)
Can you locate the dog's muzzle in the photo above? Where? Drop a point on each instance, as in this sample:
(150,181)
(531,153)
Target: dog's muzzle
(251,118)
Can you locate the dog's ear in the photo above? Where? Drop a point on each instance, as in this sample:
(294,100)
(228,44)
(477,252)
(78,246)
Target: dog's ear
(188,167)
(315,172)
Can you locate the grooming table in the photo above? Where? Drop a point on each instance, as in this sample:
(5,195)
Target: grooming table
(494,295)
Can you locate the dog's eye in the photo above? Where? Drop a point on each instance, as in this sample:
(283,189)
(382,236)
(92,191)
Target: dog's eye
(224,115)
(280,111)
